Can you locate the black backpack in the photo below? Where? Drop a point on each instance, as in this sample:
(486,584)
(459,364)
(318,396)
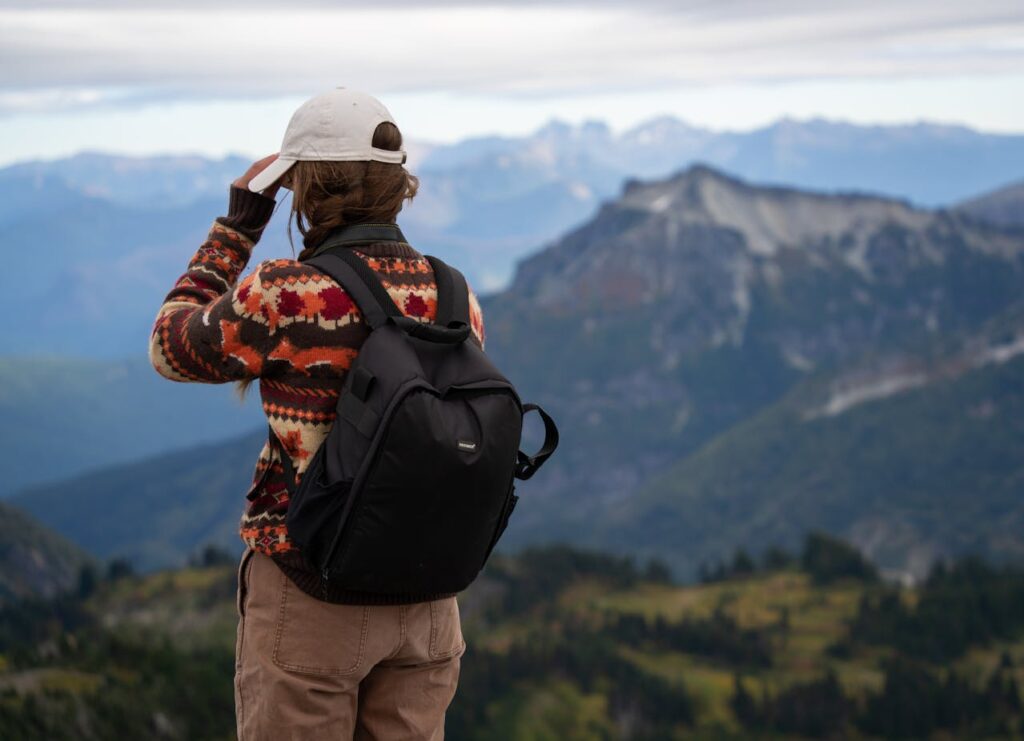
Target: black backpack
(415,482)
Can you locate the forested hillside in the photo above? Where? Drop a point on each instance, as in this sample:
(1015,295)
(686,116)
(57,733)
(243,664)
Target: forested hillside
(569,644)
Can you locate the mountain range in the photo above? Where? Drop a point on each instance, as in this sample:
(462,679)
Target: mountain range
(730,364)
(94,241)
(692,304)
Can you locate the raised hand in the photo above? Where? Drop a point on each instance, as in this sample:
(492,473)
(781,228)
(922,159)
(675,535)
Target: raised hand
(255,169)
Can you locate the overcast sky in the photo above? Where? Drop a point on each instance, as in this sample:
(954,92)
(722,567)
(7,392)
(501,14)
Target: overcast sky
(216,77)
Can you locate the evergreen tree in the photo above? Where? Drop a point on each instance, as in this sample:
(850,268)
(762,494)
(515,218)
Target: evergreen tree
(743,703)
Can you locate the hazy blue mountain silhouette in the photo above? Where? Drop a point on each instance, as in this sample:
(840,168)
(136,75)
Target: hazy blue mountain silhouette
(62,416)
(1001,206)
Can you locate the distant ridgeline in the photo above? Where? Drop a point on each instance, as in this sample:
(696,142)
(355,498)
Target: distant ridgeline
(565,643)
(730,365)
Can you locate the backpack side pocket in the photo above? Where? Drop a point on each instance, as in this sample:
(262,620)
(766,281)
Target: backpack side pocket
(506,513)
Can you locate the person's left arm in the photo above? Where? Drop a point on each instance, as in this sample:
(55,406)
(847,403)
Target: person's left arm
(476,318)
(209,327)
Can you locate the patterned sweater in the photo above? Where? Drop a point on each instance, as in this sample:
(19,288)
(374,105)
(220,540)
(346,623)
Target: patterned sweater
(292,327)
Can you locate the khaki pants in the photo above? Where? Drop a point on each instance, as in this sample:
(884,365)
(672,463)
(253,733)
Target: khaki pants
(307,669)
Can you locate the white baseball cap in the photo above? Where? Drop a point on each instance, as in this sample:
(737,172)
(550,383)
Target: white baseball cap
(334,126)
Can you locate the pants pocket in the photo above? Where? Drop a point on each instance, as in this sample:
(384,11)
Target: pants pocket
(317,637)
(241,594)
(242,581)
(446,638)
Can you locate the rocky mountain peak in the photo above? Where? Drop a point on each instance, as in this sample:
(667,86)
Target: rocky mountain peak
(769,218)
(701,225)
(703,260)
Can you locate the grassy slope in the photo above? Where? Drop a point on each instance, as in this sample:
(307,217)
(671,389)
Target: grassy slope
(157,511)
(937,470)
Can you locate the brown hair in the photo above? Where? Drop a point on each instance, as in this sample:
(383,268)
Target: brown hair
(328,195)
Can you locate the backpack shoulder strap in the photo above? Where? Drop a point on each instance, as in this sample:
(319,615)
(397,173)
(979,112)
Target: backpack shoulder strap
(360,282)
(452,293)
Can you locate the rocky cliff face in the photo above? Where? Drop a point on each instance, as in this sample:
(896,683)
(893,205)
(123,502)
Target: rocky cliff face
(688,304)
(703,238)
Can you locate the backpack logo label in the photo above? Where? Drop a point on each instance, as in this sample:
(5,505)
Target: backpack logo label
(466,444)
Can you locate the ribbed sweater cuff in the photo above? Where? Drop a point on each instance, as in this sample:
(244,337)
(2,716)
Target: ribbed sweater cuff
(248,212)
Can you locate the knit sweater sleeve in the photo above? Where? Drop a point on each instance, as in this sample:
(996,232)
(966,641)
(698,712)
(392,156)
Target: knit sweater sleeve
(476,318)
(207,330)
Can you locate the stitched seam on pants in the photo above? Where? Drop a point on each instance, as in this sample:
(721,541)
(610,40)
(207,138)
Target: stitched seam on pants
(320,671)
(239,700)
(432,650)
(449,654)
(243,586)
(240,710)
(402,610)
(242,581)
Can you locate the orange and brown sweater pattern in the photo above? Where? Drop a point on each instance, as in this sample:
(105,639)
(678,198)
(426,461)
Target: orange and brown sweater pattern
(289,325)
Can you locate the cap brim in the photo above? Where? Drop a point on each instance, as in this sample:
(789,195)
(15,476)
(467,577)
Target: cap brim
(269,176)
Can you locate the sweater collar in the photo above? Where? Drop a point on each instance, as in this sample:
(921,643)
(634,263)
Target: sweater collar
(387,249)
(375,240)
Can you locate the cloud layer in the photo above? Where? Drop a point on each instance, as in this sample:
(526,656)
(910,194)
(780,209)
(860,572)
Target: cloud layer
(57,55)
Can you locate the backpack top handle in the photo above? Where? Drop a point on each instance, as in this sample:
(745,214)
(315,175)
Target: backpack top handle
(452,293)
(432,332)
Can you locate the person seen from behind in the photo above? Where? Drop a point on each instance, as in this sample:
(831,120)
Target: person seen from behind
(313,663)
